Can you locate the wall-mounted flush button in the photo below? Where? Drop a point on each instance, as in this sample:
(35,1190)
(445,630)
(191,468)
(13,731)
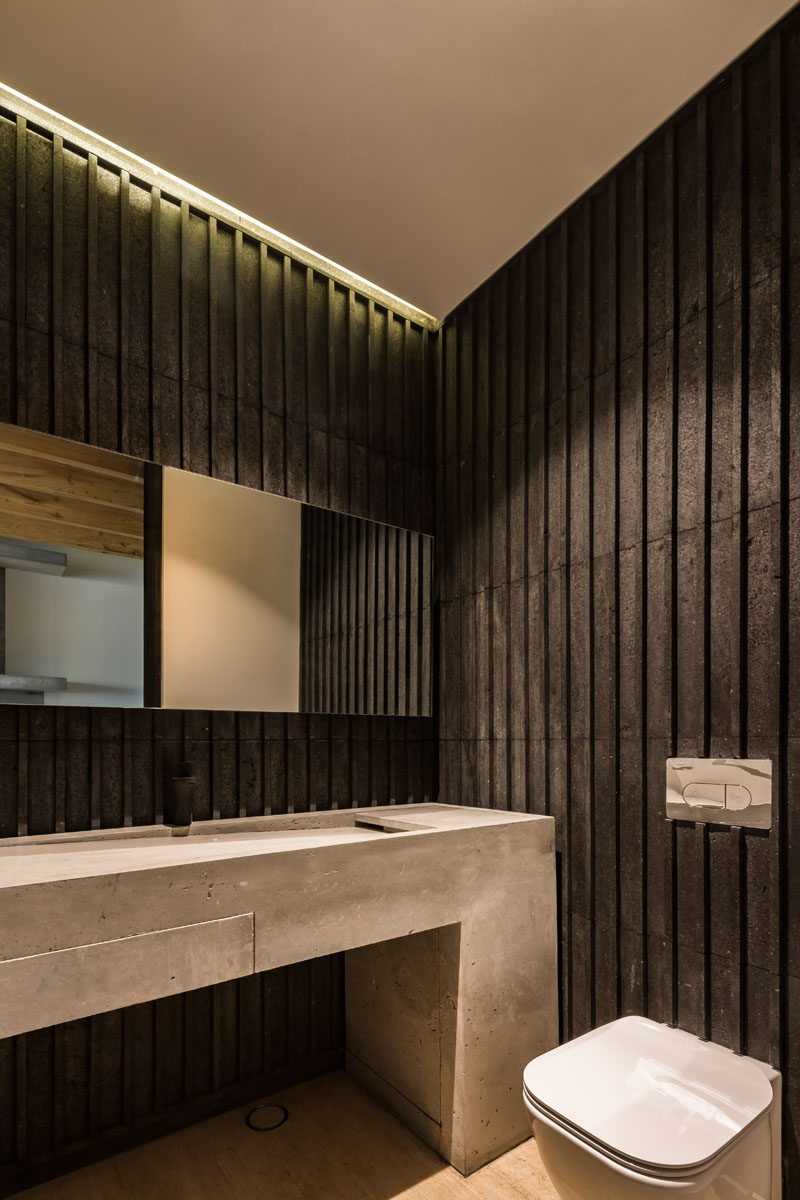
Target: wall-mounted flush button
(705,795)
(737,797)
(721,791)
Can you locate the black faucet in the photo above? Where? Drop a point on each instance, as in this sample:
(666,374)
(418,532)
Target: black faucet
(179,797)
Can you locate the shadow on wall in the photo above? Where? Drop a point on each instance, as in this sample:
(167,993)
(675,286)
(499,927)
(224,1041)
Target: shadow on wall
(617,559)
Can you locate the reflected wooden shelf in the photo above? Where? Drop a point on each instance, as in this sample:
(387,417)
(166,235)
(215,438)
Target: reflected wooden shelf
(21,556)
(29,689)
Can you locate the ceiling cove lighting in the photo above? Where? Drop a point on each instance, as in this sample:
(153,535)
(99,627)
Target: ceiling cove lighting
(14,103)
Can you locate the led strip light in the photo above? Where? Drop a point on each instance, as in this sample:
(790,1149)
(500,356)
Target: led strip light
(139,168)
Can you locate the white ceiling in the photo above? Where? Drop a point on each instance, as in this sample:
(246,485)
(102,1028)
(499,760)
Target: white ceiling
(419,143)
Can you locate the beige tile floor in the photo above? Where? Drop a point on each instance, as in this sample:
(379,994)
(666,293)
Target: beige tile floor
(338,1144)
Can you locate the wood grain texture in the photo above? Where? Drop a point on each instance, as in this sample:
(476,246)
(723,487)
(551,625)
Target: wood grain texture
(68,494)
(134,323)
(618,549)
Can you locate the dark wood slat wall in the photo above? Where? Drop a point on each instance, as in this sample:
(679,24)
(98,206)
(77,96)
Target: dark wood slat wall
(619,557)
(134,322)
(365,617)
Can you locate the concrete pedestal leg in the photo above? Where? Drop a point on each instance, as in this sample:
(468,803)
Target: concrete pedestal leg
(441,1023)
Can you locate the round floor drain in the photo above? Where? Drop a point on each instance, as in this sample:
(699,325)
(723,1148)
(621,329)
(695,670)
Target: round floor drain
(266,1117)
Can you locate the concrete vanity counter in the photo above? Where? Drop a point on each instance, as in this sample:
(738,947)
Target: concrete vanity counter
(447,915)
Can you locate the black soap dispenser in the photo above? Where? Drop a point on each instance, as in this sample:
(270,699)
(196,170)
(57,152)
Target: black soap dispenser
(179,799)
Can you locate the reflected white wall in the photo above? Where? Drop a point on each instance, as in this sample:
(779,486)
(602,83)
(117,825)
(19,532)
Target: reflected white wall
(85,625)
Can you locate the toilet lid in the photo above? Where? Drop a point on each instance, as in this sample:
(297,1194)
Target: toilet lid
(654,1096)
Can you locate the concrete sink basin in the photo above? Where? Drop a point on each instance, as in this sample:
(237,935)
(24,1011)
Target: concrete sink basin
(446,916)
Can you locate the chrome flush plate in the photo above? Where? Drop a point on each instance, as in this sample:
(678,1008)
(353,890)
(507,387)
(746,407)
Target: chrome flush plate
(722,791)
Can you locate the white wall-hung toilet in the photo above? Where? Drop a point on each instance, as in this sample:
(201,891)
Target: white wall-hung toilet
(635,1110)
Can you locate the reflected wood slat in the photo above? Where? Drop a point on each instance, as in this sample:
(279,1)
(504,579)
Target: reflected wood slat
(62,450)
(63,533)
(53,476)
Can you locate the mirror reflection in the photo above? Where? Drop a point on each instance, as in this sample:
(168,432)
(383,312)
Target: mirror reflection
(365,616)
(230,596)
(123,583)
(71,573)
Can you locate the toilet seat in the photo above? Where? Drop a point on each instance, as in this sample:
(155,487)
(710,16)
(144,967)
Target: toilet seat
(603,1151)
(657,1101)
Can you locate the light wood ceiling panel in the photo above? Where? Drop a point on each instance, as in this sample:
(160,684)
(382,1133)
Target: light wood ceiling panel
(68,494)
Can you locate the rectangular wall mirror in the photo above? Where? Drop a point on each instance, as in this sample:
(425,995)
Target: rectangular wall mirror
(124,584)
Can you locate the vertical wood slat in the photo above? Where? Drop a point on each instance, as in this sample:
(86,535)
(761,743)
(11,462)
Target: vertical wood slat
(123,421)
(71,768)
(185,332)
(705,385)
(698,471)
(724,380)
(308,354)
(383,633)
(742,351)
(20,277)
(288,378)
(57,279)
(154,332)
(91,422)
(779,124)
(238,327)
(212,345)
(670,699)
(766,453)
(605,561)
(642,285)
(575,950)
(342,584)
(587,284)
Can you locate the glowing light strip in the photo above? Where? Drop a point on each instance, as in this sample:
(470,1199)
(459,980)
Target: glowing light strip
(140,168)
